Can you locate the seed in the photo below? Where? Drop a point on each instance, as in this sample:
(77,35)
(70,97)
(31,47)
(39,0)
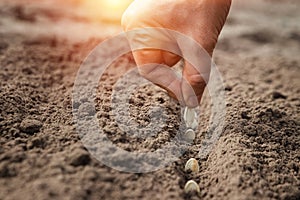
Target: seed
(191,186)
(189,135)
(192,164)
(190,117)
(194,125)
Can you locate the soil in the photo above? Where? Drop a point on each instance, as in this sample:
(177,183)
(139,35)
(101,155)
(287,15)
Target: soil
(42,45)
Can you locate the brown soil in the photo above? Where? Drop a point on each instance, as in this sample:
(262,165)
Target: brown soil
(42,157)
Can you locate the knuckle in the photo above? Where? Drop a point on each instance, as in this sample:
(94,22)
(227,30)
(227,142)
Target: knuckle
(129,18)
(133,16)
(125,19)
(143,57)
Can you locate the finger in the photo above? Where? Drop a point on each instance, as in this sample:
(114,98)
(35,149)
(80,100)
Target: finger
(146,56)
(193,84)
(154,65)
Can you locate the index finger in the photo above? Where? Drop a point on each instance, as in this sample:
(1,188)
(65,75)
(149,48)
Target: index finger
(153,66)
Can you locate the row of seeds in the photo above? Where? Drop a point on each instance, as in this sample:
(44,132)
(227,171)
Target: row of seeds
(192,165)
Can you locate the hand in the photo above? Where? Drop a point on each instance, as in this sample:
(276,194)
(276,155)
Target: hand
(201,20)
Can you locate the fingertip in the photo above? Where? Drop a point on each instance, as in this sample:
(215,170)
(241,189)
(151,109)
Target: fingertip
(192,101)
(193,84)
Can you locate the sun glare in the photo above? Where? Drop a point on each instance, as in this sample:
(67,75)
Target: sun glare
(107,9)
(115,4)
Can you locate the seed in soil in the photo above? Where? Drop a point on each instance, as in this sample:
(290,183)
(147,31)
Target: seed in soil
(189,135)
(192,165)
(191,186)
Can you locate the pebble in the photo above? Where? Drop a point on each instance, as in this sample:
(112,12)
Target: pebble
(7,170)
(79,158)
(191,186)
(30,126)
(278,95)
(192,165)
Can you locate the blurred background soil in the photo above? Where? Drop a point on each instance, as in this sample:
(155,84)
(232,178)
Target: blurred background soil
(42,44)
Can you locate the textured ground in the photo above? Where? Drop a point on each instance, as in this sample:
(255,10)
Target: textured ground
(41,154)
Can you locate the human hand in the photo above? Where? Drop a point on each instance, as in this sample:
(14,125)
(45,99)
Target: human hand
(201,20)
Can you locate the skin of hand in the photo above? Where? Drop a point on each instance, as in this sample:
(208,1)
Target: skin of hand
(201,20)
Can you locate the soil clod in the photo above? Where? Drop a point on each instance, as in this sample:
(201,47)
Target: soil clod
(30,126)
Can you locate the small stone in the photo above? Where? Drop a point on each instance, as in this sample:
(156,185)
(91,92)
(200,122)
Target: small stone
(245,115)
(191,186)
(37,142)
(7,170)
(79,158)
(192,165)
(30,126)
(278,95)
(189,135)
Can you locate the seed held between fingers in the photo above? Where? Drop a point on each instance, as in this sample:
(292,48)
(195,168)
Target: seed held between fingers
(190,117)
